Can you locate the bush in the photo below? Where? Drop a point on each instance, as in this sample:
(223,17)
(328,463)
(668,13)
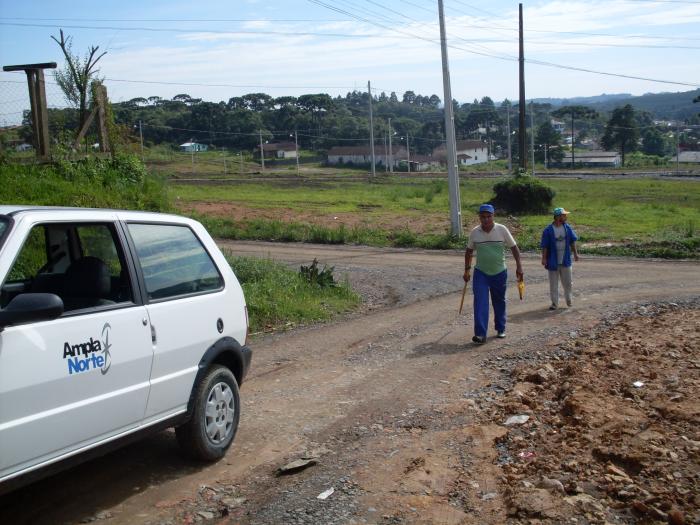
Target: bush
(313,275)
(523,194)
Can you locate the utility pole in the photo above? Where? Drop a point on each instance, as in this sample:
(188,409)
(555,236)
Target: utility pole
(391,152)
(573,163)
(386,155)
(371,130)
(510,157)
(678,149)
(450,144)
(546,147)
(521,120)
(262,152)
(408,154)
(296,149)
(240,164)
(532,136)
(141,137)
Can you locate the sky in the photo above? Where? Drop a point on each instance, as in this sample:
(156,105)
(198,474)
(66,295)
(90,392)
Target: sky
(216,49)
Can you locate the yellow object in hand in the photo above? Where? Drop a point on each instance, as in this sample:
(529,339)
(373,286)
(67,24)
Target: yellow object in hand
(521,289)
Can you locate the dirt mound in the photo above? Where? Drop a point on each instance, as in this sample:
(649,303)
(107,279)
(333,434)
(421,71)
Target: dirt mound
(612,434)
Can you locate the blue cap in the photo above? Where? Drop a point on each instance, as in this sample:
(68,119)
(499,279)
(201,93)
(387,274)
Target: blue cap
(486,208)
(560,211)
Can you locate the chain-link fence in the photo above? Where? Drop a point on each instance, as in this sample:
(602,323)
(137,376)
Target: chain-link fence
(15,114)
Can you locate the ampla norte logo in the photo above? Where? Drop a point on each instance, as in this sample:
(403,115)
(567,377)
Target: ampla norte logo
(90,355)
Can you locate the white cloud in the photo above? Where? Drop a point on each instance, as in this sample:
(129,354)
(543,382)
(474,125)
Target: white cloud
(394,62)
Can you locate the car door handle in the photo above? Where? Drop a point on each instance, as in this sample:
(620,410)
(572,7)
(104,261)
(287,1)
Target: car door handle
(153,334)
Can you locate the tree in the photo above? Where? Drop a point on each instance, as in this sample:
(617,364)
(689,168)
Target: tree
(547,139)
(77,74)
(653,142)
(575,112)
(409,97)
(621,131)
(182,97)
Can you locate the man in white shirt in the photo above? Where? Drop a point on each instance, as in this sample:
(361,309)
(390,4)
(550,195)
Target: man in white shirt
(489,241)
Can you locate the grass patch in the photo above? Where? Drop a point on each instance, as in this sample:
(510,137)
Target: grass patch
(121,182)
(278,297)
(639,216)
(272,230)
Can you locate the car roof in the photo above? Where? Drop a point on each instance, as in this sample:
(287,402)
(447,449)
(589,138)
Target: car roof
(17,210)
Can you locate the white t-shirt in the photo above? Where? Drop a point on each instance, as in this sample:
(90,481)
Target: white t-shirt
(489,247)
(560,238)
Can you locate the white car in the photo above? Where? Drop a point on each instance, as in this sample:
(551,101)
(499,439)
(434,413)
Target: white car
(113,323)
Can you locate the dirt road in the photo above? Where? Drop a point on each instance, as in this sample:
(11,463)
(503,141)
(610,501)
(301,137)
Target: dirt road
(405,419)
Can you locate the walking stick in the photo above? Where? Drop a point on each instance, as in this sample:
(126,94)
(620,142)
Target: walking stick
(461,303)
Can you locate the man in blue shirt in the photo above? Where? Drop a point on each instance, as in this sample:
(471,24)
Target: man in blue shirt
(558,243)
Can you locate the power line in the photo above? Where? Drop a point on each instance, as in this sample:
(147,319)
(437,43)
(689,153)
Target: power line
(200,84)
(198,31)
(77,19)
(614,35)
(538,62)
(490,13)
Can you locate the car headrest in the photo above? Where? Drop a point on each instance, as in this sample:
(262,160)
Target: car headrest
(88,277)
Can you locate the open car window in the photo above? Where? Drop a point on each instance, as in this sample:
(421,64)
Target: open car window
(81,263)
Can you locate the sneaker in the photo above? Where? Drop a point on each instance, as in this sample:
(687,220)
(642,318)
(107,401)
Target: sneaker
(478,339)
(568,303)
(553,307)
(501,335)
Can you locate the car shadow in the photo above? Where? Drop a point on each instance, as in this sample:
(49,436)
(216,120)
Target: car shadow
(77,494)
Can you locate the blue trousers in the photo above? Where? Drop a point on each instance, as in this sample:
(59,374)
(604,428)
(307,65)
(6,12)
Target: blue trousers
(482,284)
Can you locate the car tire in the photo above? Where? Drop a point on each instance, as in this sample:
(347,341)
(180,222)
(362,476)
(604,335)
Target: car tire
(215,414)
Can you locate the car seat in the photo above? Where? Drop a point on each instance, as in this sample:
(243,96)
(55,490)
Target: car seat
(87,284)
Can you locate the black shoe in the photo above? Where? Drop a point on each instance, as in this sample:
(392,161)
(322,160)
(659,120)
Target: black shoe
(480,340)
(553,307)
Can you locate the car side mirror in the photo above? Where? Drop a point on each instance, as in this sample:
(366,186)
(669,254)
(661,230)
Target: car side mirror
(29,307)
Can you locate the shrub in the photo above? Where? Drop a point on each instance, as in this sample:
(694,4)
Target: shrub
(323,278)
(522,194)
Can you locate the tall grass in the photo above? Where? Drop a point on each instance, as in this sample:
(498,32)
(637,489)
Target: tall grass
(121,182)
(273,230)
(278,297)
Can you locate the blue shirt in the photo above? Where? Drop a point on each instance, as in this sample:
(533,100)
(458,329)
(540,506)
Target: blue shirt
(549,241)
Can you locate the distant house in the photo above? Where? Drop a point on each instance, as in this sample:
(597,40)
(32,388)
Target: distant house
(558,126)
(424,163)
(590,159)
(687,156)
(279,150)
(363,155)
(24,147)
(193,146)
(468,152)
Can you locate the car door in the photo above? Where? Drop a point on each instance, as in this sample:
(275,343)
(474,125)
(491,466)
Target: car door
(81,379)
(187,305)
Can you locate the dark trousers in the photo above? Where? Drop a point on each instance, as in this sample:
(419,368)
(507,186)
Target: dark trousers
(482,285)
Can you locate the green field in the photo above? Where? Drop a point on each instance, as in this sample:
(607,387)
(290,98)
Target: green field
(636,216)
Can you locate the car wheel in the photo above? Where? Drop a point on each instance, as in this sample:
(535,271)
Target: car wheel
(212,427)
